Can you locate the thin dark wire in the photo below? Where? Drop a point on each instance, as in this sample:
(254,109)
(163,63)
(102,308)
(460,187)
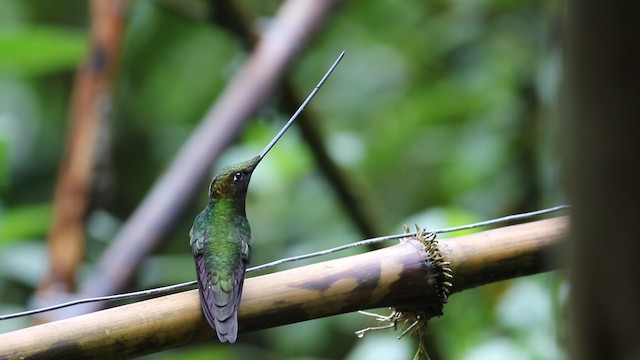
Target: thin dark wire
(160,290)
(181,286)
(400,236)
(503,219)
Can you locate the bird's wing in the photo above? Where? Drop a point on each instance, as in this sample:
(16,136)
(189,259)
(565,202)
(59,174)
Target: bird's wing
(227,295)
(220,295)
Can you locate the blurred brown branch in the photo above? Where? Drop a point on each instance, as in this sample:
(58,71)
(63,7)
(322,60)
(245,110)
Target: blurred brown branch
(294,25)
(89,106)
(396,276)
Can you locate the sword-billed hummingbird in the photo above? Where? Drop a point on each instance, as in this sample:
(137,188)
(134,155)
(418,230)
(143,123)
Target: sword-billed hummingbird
(221,237)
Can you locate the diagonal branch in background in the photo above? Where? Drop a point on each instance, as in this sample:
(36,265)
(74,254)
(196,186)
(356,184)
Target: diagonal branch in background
(295,23)
(231,16)
(397,276)
(356,205)
(89,105)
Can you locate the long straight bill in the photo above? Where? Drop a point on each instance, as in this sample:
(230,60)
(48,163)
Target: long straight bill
(304,104)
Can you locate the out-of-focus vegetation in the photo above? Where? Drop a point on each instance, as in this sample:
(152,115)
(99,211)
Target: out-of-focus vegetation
(442,113)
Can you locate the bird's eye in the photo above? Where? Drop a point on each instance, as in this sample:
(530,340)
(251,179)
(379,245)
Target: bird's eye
(238,176)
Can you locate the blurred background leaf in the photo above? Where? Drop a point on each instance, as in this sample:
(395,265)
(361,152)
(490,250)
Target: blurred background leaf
(38,50)
(25,222)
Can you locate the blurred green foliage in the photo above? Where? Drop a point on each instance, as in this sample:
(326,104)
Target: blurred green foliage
(22,49)
(442,113)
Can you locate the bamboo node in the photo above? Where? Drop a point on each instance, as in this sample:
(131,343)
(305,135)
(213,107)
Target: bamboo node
(417,321)
(441,270)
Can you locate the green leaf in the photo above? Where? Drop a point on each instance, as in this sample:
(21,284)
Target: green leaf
(4,164)
(24,222)
(39,50)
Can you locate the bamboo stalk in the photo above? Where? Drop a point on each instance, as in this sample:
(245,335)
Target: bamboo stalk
(504,253)
(397,276)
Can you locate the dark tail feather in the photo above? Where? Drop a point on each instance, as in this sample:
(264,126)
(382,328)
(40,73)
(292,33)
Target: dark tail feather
(220,311)
(228,329)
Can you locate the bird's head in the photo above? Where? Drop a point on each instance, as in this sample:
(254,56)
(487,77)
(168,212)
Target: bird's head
(232,181)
